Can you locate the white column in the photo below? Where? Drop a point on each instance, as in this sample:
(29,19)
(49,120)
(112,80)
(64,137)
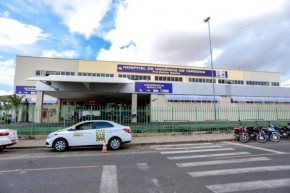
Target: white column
(38,107)
(153,107)
(134,108)
(58,111)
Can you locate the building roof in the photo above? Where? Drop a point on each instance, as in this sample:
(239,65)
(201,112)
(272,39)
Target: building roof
(88,79)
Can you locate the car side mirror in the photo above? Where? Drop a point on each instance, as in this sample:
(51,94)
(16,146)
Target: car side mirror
(72,129)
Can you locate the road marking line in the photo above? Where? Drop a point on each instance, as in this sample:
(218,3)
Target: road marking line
(156,187)
(240,171)
(222,162)
(208,155)
(195,151)
(259,148)
(178,145)
(109,182)
(143,166)
(46,169)
(72,154)
(252,185)
(196,147)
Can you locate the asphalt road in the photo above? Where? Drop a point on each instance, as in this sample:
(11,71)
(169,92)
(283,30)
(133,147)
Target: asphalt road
(180,168)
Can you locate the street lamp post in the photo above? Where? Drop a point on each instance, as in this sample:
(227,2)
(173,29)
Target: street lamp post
(206,20)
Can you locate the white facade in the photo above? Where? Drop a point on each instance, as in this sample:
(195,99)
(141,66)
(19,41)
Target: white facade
(138,84)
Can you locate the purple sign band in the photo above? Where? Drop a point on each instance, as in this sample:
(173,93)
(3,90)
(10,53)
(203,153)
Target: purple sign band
(170,71)
(153,87)
(26,90)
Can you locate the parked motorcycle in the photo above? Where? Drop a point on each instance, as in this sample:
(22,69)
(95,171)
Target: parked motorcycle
(268,133)
(253,131)
(241,133)
(285,131)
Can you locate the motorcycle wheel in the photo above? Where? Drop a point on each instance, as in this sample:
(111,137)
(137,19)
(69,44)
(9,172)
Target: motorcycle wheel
(237,136)
(261,138)
(275,137)
(244,138)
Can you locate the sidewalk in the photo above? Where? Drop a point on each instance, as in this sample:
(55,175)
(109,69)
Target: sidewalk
(147,139)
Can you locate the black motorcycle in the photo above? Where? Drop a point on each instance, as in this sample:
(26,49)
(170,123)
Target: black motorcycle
(285,131)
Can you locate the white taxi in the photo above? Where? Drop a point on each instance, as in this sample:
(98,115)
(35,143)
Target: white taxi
(90,133)
(8,137)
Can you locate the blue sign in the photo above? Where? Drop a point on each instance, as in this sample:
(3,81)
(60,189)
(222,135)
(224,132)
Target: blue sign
(153,87)
(170,71)
(25,90)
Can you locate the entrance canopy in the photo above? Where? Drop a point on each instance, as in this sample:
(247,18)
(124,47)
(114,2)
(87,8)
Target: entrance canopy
(45,101)
(192,98)
(84,87)
(260,99)
(87,79)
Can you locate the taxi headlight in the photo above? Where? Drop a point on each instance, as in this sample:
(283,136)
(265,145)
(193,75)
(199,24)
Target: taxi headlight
(51,135)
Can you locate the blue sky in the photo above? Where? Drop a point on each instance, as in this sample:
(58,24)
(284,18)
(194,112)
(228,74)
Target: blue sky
(248,34)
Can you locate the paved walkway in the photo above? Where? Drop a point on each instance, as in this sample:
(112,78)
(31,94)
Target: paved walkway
(147,139)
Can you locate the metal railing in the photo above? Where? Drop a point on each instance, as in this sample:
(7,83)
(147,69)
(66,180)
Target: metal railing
(165,119)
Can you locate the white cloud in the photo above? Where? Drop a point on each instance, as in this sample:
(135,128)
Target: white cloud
(170,31)
(4,14)
(83,17)
(14,33)
(286,83)
(64,54)
(4,92)
(7,72)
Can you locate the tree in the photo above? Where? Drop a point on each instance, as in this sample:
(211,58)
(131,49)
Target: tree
(4,103)
(15,101)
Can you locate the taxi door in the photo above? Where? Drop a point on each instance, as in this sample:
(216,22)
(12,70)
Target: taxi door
(104,131)
(82,135)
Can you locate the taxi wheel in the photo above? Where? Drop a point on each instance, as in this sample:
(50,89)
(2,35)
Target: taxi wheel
(115,143)
(2,148)
(60,145)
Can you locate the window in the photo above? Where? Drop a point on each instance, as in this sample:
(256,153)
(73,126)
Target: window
(101,125)
(275,83)
(59,73)
(200,80)
(134,77)
(85,126)
(93,74)
(40,73)
(168,78)
(225,81)
(260,83)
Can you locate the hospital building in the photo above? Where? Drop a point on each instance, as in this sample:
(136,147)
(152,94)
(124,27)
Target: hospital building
(56,83)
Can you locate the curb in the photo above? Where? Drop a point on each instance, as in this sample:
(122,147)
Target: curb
(181,142)
(139,144)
